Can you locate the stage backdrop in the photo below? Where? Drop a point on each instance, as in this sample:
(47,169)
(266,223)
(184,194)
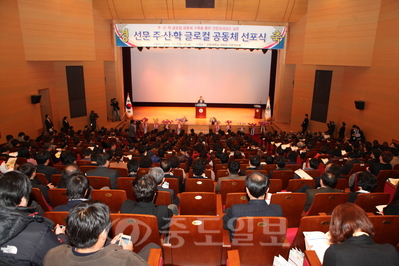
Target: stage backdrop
(182,75)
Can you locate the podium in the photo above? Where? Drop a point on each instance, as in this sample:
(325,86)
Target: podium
(258,111)
(200,110)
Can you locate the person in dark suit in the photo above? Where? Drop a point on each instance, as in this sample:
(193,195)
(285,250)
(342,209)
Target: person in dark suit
(366,182)
(43,159)
(103,170)
(158,174)
(233,169)
(145,188)
(280,164)
(342,129)
(305,123)
(65,124)
(352,159)
(351,233)
(49,124)
(257,185)
(384,163)
(254,163)
(77,187)
(328,181)
(201,100)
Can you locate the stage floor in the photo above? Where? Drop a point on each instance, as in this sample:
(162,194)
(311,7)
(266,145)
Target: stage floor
(236,115)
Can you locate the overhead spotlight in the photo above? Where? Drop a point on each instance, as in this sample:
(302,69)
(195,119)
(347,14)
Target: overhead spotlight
(140,48)
(148,48)
(251,50)
(265,51)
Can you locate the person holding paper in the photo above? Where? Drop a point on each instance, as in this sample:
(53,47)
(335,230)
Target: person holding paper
(351,233)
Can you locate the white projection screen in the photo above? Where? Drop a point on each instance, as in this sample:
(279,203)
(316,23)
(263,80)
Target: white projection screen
(183,75)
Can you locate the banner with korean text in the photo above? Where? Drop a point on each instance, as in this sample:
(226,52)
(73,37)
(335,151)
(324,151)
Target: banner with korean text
(200,36)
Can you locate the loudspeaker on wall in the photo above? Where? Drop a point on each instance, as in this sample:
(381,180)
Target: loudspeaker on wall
(35,99)
(359,105)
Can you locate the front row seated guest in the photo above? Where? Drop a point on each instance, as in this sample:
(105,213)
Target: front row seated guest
(233,170)
(145,189)
(366,182)
(257,185)
(88,225)
(351,233)
(77,190)
(25,237)
(199,167)
(328,181)
(102,169)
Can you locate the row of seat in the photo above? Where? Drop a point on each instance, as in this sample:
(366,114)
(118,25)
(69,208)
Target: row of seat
(201,239)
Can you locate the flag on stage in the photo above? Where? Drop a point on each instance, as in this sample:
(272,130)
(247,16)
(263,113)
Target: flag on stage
(268,111)
(129,107)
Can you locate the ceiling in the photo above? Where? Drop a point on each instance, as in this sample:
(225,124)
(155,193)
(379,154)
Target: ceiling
(259,11)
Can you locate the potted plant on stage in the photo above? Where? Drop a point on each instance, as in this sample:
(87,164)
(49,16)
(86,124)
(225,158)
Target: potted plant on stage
(217,126)
(167,123)
(228,126)
(144,122)
(156,125)
(212,120)
(263,125)
(252,128)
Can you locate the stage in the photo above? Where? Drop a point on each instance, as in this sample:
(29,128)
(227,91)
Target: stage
(238,116)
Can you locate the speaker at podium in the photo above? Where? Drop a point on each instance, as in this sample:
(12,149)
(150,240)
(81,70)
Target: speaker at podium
(258,111)
(200,110)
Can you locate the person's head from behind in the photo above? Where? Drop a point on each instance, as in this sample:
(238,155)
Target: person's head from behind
(198,167)
(292,156)
(280,161)
(174,161)
(77,186)
(144,188)
(42,156)
(234,167)
(157,173)
(329,179)
(28,169)
(255,160)
(224,158)
(68,157)
(366,181)
(386,157)
(314,163)
(165,165)
(102,159)
(347,219)
(15,189)
(269,159)
(257,184)
(145,162)
(87,223)
(133,166)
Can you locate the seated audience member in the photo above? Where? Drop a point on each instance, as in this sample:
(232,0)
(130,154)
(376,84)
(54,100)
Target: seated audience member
(375,156)
(292,157)
(175,164)
(366,182)
(145,162)
(68,157)
(133,167)
(333,168)
(103,170)
(384,164)
(145,189)
(352,159)
(254,163)
(280,165)
(393,207)
(328,181)
(87,153)
(77,189)
(67,172)
(43,159)
(199,167)
(30,171)
(224,158)
(257,185)
(88,225)
(158,175)
(233,169)
(25,153)
(395,159)
(351,233)
(25,237)
(117,160)
(166,167)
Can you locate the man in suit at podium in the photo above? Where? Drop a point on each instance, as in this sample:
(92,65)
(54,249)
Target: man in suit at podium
(201,100)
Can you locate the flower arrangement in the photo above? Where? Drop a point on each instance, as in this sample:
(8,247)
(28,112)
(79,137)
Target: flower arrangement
(228,126)
(217,126)
(181,120)
(145,124)
(241,127)
(252,128)
(167,122)
(156,125)
(212,120)
(263,125)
